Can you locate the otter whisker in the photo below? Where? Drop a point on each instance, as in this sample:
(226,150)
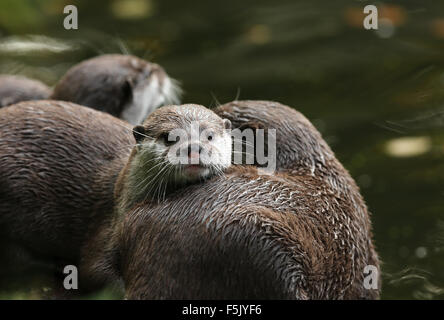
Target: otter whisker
(159,185)
(237,94)
(166,185)
(243,142)
(151,160)
(158,190)
(154,184)
(127,147)
(215,100)
(132,129)
(150,170)
(147,175)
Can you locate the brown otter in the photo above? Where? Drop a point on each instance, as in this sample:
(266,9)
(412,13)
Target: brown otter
(176,146)
(123,85)
(59,162)
(58,165)
(302,233)
(15,88)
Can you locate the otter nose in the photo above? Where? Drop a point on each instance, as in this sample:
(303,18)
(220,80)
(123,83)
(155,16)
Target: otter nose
(194,151)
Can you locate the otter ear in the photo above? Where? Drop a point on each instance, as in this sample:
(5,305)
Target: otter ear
(139,133)
(127,91)
(227,124)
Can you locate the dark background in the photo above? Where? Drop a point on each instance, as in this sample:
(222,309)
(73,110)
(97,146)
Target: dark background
(377,96)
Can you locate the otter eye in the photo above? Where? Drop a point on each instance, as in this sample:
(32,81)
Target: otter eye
(210,136)
(164,137)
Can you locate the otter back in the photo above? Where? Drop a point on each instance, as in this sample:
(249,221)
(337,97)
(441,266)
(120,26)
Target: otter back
(247,236)
(303,232)
(58,163)
(14,89)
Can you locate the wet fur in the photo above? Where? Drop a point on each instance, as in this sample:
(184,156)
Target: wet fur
(57,175)
(14,89)
(302,233)
(150,173)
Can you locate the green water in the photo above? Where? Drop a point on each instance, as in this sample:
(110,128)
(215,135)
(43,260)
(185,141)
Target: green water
(377,97)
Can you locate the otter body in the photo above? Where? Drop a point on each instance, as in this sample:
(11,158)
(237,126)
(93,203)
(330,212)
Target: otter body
(246,236)
(58,165)
(124,86)
(15,89)
(300,233)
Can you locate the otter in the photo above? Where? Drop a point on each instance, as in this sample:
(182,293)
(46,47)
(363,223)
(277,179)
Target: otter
(59,163)
(301,233)
(122,85)
(176,146)
(14,88)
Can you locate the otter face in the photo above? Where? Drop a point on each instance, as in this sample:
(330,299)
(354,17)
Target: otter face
(178,145)
(149,90)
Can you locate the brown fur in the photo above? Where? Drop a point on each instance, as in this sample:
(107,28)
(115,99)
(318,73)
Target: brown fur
(58,165)
(303,233)
(105,82)
(15,89)
(158,123)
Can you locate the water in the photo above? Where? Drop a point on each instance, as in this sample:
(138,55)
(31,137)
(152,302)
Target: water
(377,97)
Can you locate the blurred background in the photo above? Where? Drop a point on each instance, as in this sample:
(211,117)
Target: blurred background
(376,96)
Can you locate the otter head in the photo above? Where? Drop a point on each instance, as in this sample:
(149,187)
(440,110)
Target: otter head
(123,85)
(177,146)
(298,144)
